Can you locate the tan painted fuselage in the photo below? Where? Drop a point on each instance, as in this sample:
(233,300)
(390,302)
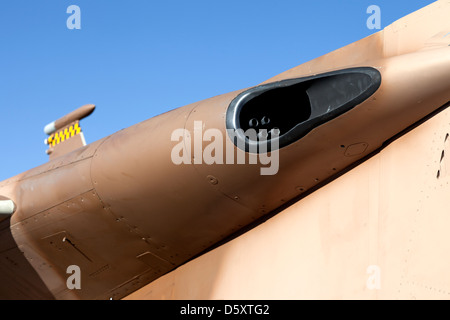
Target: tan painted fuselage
(377,232)
(124,212)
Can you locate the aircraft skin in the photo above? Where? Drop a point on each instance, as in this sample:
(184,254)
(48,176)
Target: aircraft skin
(127,215)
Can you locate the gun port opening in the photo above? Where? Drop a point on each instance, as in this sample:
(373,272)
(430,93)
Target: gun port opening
(279,108)
(288,110)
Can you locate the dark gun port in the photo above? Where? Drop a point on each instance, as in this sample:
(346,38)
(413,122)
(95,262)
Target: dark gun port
(294,107)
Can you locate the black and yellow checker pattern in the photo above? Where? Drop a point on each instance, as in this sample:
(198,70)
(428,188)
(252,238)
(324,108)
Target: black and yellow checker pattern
(64,134)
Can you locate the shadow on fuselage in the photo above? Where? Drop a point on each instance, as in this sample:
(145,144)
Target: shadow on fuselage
(18,279)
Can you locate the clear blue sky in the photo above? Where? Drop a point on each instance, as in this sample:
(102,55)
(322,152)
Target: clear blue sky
(136,59)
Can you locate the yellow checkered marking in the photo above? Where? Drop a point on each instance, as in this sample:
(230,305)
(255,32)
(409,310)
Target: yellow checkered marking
(64,134)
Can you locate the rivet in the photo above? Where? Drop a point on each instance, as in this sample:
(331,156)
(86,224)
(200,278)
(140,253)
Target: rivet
(213,180)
